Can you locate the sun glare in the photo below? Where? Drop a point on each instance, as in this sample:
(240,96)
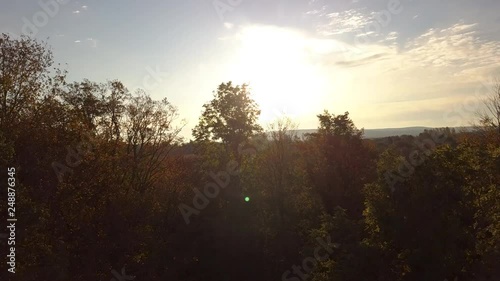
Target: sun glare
(277,65)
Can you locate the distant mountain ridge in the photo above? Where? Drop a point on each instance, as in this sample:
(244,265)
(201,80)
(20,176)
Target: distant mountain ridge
(379,133)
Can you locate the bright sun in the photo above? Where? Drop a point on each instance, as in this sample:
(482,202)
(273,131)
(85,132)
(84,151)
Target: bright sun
(277,65)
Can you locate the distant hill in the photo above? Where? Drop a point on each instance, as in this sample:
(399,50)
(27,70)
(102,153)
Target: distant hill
(380,133)
(387,132)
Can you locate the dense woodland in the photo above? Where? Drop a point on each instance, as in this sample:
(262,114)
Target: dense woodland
(105,183)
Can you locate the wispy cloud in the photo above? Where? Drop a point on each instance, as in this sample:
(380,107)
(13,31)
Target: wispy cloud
(457,46)
(392,36)
(361,61)
(319,12)
(344,22)
(76,12)
(90,42)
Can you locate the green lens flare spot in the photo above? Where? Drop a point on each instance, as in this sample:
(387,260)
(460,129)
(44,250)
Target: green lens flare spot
(247,199)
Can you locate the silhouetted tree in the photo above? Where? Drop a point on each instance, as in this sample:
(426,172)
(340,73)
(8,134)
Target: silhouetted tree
(231,117)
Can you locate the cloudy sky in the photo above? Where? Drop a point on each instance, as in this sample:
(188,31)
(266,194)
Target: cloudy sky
(389,63)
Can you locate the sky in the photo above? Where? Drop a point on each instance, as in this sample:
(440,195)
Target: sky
(390,63)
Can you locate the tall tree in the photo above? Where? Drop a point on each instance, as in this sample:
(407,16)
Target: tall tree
(150,136)
(491,115)
(231,117)
(339,163)
(24,71)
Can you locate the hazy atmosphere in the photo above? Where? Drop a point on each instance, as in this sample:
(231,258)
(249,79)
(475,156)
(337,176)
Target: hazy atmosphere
(391,63)
(222,140)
